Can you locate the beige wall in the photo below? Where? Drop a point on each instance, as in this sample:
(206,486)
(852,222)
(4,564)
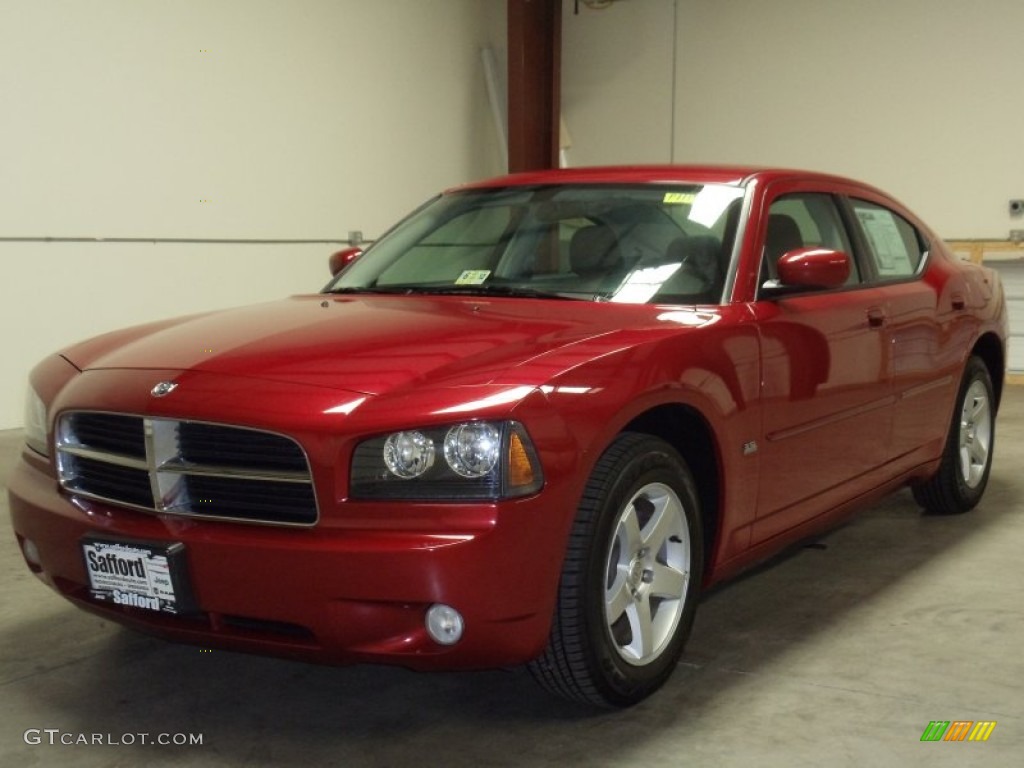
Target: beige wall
(617,76)
(917,96)
(246,119)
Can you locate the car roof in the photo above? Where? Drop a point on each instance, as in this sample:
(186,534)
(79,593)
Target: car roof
(642,174)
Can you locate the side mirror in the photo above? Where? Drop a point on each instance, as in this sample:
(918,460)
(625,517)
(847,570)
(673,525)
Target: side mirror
(813,268)
(341,259)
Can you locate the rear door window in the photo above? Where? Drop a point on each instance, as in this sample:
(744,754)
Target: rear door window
(895,247)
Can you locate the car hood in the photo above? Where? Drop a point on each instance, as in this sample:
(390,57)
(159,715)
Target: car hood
(366,344)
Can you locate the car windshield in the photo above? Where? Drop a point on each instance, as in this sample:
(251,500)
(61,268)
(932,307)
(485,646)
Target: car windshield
(630,244)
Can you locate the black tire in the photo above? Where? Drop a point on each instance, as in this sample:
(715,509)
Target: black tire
(635,543)
(960,481)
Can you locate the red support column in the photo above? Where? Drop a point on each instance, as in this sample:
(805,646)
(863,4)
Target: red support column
(534,79)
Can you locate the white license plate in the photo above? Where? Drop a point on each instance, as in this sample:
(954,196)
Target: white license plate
(136,575)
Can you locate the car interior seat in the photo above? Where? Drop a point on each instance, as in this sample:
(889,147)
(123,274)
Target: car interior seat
(594,255)
(783,235)
(700,275)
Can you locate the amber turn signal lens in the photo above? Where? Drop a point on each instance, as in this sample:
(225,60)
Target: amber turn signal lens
(520,469)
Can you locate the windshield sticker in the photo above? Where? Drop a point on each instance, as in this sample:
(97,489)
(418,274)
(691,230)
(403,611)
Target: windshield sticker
(473,277)
(679,198)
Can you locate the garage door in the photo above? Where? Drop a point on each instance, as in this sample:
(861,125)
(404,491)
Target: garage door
(1012,273)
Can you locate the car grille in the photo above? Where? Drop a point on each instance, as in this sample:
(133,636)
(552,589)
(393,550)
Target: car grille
(185,468)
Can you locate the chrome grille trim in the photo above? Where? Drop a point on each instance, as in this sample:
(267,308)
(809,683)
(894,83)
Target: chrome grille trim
(109,458)
(141,466)
(190,468)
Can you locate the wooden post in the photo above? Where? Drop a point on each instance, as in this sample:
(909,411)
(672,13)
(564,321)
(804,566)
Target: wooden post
(534,79)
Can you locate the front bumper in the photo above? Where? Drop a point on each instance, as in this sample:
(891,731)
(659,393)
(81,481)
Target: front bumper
(324,594)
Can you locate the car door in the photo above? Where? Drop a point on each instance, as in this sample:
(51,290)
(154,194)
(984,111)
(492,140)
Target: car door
(827,405)
(920,319)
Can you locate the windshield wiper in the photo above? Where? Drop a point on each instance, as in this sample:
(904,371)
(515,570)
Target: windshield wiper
(463,290)
(353,289)
(500,290)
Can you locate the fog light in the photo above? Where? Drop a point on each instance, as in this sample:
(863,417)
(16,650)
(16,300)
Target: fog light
(31,553)
(444,624)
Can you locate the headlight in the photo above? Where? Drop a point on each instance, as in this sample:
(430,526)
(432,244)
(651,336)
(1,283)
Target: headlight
(481,460)
(35,422)
(473,449)
(408,454)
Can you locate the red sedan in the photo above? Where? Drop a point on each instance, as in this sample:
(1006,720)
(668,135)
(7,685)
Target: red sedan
(528,425)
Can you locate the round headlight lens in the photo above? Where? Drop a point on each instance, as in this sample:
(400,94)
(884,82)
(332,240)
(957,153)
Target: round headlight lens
(408,454)
(473,449)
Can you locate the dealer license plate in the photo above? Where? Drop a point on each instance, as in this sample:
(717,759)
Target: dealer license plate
(137,575)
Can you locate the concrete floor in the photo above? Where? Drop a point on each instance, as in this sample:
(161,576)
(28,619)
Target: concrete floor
(838,654)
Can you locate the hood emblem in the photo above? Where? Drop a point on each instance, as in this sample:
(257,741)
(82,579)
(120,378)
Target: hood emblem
(163,388)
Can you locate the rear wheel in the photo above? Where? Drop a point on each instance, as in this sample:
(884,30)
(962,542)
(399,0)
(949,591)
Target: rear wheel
(630,580)
(967,459)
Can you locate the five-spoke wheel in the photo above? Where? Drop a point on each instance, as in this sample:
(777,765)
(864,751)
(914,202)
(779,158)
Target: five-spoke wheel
(975,433)
(960,481)
(630,579)
(647,573)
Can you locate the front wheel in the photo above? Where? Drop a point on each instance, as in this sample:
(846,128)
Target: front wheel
(630,580)
(967,459)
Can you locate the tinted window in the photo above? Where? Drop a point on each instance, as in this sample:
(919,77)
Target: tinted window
(895,247)
(465,242)
(805,220)
(631,244)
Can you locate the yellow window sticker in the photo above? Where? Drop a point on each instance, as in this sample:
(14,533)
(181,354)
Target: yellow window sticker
(473,277)
(679,198)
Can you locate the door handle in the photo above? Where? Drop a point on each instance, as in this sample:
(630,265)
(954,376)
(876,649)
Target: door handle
(876,317)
